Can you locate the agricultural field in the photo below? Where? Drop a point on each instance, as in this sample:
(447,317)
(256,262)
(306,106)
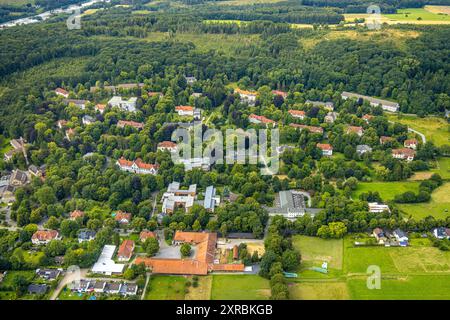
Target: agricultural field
(387,190)
(435,129)
(324,290)
(166,288)
(239,287)
(438,206)
(408,15)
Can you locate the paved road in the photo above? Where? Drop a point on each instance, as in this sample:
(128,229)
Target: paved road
(68,278)
(422,136)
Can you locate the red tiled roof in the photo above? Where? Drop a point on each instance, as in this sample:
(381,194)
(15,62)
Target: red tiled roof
(62,91)
(145,234)
(311,129)
(409,142)
(261,118)
(126,249)
(76,214)
(122,215)
(324,146)
(144,165)
(280,93)
(228,267)
(367,117)
(43,235)
(297,113)
(100,106)
(384,139)
(354,129)
(124,162)
(134,124)
(184,108)
(404,151)
(167,144)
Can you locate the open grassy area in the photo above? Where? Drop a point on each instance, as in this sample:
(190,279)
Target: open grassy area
(443,168)
(435,129)
(246,2)
(403,288)
(436,207)
(239,287)
(387,190)
(438,9)
(325,290)
(166,288)
(8,280)
(202,291)
(315,250)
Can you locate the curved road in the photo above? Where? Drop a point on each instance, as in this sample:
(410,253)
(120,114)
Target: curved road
(422,136)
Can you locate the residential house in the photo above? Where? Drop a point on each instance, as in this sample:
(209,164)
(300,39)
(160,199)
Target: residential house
(367,117)
(401,237)
(375,207)
(300,114)
(62,92)
(185,110)
(331,117)
(363,148)
(145,234)
(197,114)
(153,93)
(70,133)
(44,236)
(122,217)
(137,166)
(357,130)
(37,288)
(87,119)
(18,146)
(36,171)
(326,105)
(86,235)
(410,143)
(311,129)
(246,96)
(126,105)
(128,86)
(7,194)
(375,102)
(168,145)
(18,178)
(385,139)
(280,93)
(126,250)
(49,274)
(253,118)
(76,214)
(441,233)
(379,235)
(79,103)
(100,107)
(134,124)
(105,265)
(403,154)
(327,149)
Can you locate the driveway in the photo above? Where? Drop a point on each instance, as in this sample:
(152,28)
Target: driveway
(68,278)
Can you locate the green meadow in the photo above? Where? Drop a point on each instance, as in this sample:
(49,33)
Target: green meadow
(239,287)
(387,190)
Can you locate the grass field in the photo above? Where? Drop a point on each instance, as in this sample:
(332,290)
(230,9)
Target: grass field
(435,129)
(203,291)
(440,201)
(403,288)
(16,2)
(325,290)
(166,288)
(239,287)
(438,9)
(387,190)
(443,168)
(315,250)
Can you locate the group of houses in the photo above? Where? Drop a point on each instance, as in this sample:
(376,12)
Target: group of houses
(391,238)
(105,287)
(137,166)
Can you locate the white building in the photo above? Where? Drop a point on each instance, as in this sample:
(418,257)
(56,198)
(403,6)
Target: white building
(137,166)
(126,105)
(196,163)
(247,96)
(374,102)
(375,207)
(185,111)
(175,197)
(105,265)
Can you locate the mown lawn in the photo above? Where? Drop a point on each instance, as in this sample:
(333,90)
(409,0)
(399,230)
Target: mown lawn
(387,190)
(417,287)
(438,206)
(443,168)
(324,290)
(414,14)
(315,251)
(166,288)
(239,287)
